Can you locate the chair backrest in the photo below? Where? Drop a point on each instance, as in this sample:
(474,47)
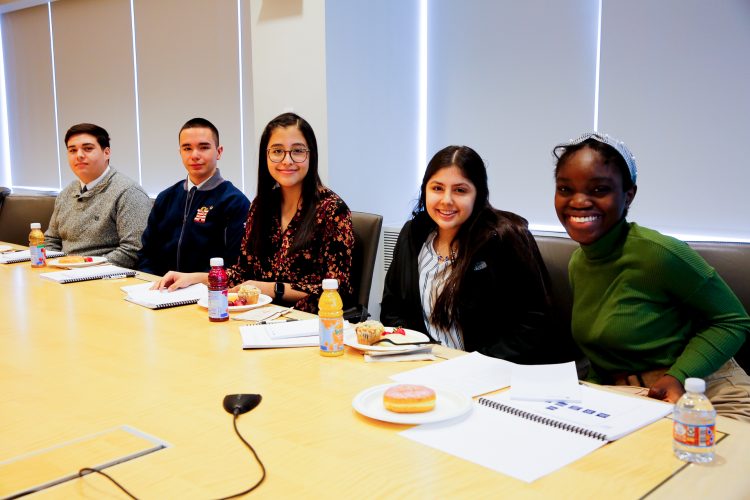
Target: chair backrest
(366,239)
(731,261)
(4,191)
(19,211)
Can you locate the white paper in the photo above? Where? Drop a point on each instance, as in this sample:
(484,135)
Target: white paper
(256,337)
(260,313)
(291,329)
(140,287)
(505,443)
(545,382)
(472,374)
(143,295)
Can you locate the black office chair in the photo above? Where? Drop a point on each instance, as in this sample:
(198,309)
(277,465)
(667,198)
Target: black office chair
(19,211)
(4,191)
(366,240)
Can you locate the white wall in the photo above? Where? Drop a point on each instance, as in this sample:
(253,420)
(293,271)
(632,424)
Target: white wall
(289,66)
(676,87)
(30,98)
(372,50)
(187,54)
(511,79)
(94,76)
(506,77)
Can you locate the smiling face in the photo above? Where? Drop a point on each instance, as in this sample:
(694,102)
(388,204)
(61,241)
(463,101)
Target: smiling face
(449,200)
(589,196)
(288,173)
(86,157)
(199,153)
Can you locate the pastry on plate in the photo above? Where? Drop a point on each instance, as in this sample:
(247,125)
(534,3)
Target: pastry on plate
(369,332)
(248,294)
(73,259)
(409,398)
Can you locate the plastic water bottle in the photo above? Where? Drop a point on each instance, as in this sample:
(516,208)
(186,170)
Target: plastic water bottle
(218,301)
(36,246)
(331,314)
(694,422)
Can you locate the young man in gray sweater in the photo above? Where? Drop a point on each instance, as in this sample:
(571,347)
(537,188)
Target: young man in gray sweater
(103,212)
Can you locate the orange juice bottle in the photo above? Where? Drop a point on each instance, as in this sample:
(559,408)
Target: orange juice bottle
(331,314)
(36,246)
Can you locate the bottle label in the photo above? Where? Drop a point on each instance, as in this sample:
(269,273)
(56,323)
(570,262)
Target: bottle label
(700,436)
(331,334)
(218,304)
(38,255)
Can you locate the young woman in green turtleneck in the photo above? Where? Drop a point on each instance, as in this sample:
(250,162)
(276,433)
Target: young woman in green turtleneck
(647,309)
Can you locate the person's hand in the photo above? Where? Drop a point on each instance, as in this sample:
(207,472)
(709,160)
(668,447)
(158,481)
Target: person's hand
(667,388)
(174,280)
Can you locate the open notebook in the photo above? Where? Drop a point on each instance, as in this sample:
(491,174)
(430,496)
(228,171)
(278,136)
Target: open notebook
(25,256)
(89,273)
(530,439)
(142,295)
(294,333)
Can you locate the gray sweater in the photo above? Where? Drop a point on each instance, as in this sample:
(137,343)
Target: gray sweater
(108,220)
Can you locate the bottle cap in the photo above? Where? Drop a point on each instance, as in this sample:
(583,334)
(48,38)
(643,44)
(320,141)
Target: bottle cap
(695,385)
(36,225)
(330,284)
(217,261)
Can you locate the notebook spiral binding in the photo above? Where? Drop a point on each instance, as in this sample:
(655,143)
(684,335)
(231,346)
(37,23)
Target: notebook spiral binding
(27,258)
(17,260)
(542,420)
(124,274)
(176,304)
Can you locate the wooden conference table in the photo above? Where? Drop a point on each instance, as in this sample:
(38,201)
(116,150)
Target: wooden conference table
(78,361)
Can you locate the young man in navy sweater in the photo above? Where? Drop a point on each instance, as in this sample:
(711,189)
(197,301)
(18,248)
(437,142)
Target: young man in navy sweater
(197,218)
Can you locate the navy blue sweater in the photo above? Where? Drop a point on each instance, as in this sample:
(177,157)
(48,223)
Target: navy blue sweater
(186,229)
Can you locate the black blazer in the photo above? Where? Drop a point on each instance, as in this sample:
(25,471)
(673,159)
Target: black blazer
(504,305)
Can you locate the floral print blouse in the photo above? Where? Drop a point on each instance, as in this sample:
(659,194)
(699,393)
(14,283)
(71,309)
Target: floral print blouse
(328,256)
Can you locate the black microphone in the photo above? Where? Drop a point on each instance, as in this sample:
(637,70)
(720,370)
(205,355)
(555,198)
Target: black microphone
(237,404)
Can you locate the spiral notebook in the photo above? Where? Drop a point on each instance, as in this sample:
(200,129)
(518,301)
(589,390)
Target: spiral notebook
(530,439)
(142,295)
(88,273)
(25,256)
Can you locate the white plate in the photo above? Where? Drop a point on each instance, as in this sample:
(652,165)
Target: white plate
(448,404)
(350,339)
(262,301)
(95,261)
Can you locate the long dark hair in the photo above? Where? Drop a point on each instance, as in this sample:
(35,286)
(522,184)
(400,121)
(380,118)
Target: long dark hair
(484,223)
(268,199)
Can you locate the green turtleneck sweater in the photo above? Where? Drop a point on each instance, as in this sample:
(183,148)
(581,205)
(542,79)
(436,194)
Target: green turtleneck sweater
(643,300)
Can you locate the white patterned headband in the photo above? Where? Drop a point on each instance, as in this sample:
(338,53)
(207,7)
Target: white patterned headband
(619,146)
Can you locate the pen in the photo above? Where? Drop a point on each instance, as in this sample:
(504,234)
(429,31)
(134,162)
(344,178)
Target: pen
(271,321)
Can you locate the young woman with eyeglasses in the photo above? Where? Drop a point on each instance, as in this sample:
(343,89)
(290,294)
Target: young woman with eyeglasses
(298,231)
(648,311)
(467,274)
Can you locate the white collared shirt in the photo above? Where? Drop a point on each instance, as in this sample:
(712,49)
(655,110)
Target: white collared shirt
(432,276)
(190,184)
(96,181)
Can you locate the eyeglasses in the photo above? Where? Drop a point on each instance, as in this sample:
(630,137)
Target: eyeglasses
(277,155)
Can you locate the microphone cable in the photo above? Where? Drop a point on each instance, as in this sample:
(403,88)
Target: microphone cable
(236,414)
